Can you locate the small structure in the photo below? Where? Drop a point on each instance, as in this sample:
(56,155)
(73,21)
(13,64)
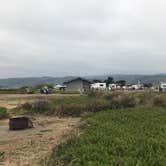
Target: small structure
(112,86)
(99,86)
(162,87)
(20,123)
(138,86)
(60,87)
(44,90)
(78,84)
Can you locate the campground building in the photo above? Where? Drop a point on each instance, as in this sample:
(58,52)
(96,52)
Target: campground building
(78,84)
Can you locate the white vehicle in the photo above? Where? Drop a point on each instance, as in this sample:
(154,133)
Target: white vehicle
(112,87)
(59,87)
(99,86)
(162,87)
(135,87)
(125,88)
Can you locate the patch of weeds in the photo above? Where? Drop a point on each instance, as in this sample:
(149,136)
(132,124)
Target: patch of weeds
(123,101)
(3,113)
(2,155)
(159,101)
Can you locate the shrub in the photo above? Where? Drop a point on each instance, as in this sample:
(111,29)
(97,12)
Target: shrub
(77,106)
(112,95)
(96,93)
(3,113)
(159,101)
(98,105)
(123,101)
(69,110)
(76,110)
(41,106)
(2,155)
(26,106)
(145,98)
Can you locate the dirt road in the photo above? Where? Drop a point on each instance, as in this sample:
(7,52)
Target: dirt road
(28,147)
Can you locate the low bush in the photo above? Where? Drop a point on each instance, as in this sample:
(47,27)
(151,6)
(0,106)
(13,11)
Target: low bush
(94,102)
(26,106)
(159,101)
(40,106)
(3,113)
(76,110)
(112,95)
(123,101)
(144,98)
(73,106)
(97,94)
(76,106)
(69,110)
(2,155)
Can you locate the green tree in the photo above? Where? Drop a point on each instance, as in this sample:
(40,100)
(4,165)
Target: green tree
(109,80)
(121,82)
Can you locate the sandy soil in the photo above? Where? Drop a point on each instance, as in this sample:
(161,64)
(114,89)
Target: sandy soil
(28,147)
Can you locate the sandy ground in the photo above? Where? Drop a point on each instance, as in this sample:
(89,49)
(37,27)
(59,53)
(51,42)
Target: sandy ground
(28,147)
(10,101)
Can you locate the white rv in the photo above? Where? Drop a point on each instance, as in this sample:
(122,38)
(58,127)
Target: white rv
(99,86)
(162,87)
(112,87)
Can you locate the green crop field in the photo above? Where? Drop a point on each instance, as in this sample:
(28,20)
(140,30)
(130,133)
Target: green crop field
(135,136)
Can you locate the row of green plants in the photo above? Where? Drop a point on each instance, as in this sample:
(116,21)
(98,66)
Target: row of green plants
(129,137)
(13,91)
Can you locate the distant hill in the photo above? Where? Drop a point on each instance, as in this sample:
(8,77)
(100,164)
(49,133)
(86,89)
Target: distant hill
(31,81)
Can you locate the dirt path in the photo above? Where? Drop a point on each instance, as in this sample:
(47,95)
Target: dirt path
(28,147)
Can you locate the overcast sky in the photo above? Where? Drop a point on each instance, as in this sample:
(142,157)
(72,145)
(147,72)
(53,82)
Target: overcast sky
(82,37)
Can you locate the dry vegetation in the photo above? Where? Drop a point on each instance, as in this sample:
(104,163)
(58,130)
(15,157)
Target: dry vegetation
(11,101)
(57,115)
(28,147)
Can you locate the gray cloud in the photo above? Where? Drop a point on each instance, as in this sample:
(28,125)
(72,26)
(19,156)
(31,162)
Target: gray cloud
(82,37)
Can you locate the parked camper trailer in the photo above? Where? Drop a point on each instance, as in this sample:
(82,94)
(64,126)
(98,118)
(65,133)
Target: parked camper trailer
(99,86)
(112,87)
(162,87)
(60,87)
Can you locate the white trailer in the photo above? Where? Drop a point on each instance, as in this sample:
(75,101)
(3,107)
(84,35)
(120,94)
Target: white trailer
(112,87)
(162,87)
(99,86)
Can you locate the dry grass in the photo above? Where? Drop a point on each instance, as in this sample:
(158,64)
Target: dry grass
(11,101)
(28,147)
(22,148)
